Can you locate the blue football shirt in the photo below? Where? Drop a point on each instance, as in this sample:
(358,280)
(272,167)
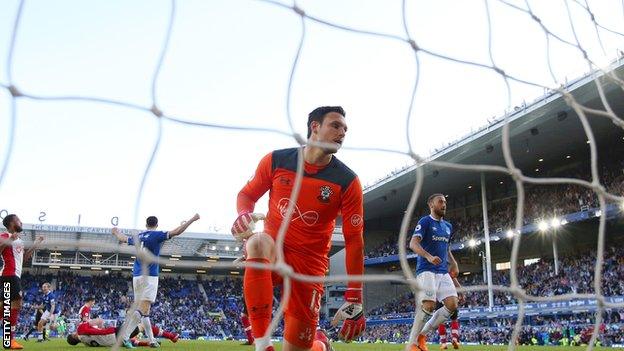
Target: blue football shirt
(152,241)
(48,300)
(435,237)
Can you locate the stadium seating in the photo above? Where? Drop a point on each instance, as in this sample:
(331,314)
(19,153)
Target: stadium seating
(542,202)
(576,275)
(210,307)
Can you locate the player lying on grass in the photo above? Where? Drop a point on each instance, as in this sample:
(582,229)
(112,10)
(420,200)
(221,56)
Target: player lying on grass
(93,336)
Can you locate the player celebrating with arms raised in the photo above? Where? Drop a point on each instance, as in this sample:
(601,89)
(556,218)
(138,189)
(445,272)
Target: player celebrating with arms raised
(146,287)
(328,188)
(431,242)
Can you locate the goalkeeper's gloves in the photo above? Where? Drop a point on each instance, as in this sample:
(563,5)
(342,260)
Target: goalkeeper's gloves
(244,225)
(352,313)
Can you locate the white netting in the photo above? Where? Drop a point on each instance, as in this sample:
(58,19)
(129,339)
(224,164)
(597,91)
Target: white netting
(600,77)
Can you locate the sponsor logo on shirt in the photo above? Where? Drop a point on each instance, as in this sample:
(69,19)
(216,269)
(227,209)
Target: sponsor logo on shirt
(310,218)
(356,220)
(440,238)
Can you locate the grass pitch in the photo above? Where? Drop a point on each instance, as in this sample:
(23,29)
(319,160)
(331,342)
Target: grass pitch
(184,345)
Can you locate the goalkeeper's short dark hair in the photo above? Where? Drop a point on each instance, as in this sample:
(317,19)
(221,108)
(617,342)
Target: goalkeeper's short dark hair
(319,113)
(151,222)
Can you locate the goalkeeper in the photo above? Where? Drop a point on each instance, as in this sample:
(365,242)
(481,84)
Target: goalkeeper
(329,189)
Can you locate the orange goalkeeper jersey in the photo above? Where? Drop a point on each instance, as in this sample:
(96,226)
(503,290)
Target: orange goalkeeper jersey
(326,193)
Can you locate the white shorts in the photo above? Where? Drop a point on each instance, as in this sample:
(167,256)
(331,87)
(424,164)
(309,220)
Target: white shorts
(145,288)
(48,316)
(98,340)
(435,286)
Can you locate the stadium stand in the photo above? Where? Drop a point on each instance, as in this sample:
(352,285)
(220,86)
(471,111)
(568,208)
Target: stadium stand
(542,202)
(538,279)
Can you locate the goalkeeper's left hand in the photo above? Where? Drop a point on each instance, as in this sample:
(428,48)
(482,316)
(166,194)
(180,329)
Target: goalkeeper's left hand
(352,313)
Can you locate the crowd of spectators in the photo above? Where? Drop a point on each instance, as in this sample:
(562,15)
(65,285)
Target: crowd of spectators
(550,335)
(181,306)
(211,307)
(541,203)
(576,275)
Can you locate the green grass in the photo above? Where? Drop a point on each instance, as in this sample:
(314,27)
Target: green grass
(61,345)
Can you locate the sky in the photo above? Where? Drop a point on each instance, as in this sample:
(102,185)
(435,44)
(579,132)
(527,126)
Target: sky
(229,63)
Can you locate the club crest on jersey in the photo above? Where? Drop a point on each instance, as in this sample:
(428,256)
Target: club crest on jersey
(326,192)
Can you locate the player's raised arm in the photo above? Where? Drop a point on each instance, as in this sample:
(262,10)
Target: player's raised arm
(180,229)
(34,247)
(248,196)
(353,229)
(117,233)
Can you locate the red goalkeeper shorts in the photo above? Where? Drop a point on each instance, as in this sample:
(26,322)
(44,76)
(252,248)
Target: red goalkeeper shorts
(302,309)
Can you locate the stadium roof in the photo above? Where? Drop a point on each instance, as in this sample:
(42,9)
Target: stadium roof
(547,129)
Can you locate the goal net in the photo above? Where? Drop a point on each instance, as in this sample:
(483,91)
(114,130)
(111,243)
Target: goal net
(417,68)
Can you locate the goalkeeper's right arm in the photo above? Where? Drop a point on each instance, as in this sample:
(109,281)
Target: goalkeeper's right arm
(248,196)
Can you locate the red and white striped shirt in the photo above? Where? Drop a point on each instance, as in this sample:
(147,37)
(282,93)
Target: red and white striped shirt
(13,257)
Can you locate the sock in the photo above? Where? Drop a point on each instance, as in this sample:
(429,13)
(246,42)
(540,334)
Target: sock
(141,343)
(168,335)
(247,327)
(258,292)
(147,326)
(132,322)
(442,333)
(263,343)
(156,331)
(455,328)
(161,332)
(421,318)
(318,346)
(249,334)
(13,319)
(439,316)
